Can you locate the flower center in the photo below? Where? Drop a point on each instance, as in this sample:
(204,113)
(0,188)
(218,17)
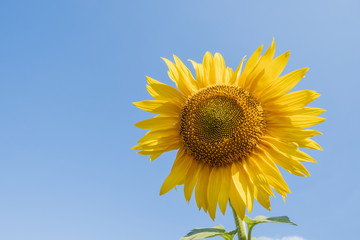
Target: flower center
(221,124)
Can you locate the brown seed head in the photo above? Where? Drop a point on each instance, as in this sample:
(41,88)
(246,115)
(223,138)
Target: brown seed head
(221,124)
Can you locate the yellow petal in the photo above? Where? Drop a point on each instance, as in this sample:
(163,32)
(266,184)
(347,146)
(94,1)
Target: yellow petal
(257,176)
(155,153)
(178,172)
(159,148)
(291,150)
(259,70)
(292,133)
(157,122)
(284,84)
(185,72)
(225,187)
(298,135)
(283,160)
(201,188)
(249,66)
(304,121)
(236,76)
(200,74)
(311,111)
(269,54)
(272,71)
(227,75)
(236,201)
(297,121)
(191,179)
(179,78)
(159,107)
(161,133)
(162,144)
(239,185)
(309,143)
(209,70)
(262,197)
(291,101)
(165,92)
(272,173)
(219,68)
(243,184)
(276,66)
(213,191)
(254,78)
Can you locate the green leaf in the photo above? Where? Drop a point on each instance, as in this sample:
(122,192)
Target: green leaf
(262,219)
(201,233)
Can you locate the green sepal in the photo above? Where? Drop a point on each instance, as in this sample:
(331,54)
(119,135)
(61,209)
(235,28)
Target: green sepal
(201,233)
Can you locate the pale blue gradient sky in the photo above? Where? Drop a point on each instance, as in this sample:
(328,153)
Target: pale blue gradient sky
(69,71)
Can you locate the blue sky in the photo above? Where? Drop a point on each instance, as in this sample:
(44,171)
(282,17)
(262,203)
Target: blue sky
(70,70)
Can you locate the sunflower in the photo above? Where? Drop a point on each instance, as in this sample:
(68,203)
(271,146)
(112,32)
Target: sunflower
(232,129)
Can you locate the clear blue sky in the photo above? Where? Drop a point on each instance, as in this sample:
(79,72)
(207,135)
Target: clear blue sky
(70,70)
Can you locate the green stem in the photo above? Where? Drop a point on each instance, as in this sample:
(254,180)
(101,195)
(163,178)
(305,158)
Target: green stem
(240,226)
(249,233)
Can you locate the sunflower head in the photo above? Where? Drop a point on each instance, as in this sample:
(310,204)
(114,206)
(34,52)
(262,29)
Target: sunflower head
(232,129)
